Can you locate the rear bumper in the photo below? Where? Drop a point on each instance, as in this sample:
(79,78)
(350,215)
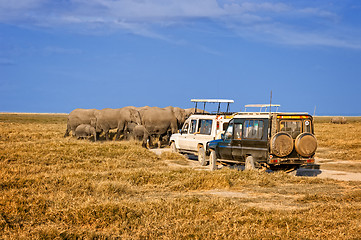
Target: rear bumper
(296,161)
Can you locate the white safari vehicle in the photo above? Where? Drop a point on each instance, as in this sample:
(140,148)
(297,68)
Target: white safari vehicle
(200,128)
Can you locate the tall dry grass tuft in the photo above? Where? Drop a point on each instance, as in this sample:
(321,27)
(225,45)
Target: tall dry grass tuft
(61,188)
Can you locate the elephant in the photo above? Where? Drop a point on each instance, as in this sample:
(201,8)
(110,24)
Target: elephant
(338,120)
(130,128)
(190,111)
(85,130)
(180,115)
(158,121)
(137,132)
(80,116)
(140,133)
(119,118)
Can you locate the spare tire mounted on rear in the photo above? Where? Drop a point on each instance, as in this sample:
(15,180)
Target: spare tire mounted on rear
(281,144)
(306,144)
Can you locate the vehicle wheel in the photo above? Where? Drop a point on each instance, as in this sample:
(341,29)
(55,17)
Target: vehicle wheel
(213,161)
(306,144)
(202,156)
(249,165)
(173,148)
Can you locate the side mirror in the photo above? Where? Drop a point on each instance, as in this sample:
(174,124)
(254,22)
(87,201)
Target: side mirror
(227,136)
(222,136)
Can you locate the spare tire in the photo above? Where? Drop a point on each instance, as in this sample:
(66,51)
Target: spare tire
(306,144)
(281,144)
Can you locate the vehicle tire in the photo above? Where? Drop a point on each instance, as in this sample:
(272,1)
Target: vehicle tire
(306,144)
(213,161)
(202,156)
(173,148)
(249,165)
(281,144)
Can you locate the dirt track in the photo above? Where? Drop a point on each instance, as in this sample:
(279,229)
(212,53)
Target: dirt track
(321,173)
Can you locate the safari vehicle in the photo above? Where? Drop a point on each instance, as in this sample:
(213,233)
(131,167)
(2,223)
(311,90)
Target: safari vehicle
(274,140)
(200,128)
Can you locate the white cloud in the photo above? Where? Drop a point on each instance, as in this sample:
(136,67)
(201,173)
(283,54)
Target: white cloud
(162,8)
(317,12)
(20,4)
(141,30)
(285,35)
(17,10)
(261,20)
(264,7)
(59,50)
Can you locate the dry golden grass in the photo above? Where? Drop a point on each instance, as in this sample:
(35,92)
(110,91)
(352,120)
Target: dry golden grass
(340,141)
(62,188)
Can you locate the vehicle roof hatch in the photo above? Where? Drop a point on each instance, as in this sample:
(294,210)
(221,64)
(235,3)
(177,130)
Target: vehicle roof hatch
(262,106)
(219,101)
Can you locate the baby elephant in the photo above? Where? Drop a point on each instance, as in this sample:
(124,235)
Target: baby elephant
(85,130)
(140,133)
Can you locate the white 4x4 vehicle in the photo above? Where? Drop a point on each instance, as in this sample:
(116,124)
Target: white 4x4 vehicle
(199,129)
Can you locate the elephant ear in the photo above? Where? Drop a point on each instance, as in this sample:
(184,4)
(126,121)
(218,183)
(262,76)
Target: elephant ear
(93,122)
(178,112)
(134,115)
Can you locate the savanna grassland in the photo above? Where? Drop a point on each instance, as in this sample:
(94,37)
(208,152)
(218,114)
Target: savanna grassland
(343,141)
(63,188)
(339,144)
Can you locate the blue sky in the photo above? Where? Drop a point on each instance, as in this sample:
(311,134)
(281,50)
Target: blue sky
(56,56)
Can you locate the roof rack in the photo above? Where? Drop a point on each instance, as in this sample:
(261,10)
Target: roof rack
(213,100)
(265,114)
(219,101)
(261,106)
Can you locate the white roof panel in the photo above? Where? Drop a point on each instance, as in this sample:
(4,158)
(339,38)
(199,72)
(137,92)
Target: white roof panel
(213,100)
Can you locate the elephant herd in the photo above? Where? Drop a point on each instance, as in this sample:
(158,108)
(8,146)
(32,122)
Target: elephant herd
(140,123)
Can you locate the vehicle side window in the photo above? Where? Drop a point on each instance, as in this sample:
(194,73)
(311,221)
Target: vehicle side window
(229,132)
(185,128)
(307,126)
(253,129)
(193,126)
(238,131)
(205,126)
(225,125)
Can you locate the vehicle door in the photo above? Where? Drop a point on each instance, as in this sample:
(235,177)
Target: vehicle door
(237,140)
(224,147)
(191,138)
(202,134)
(254,139)
(184,135)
